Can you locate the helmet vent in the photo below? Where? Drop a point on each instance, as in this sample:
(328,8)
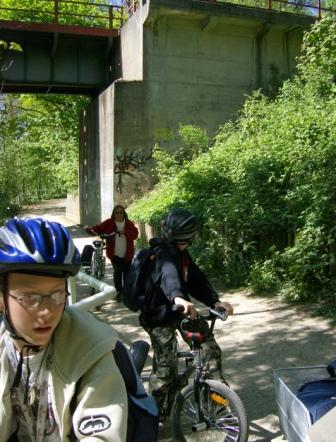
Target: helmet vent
(26,236)
(65,241)
(49,246)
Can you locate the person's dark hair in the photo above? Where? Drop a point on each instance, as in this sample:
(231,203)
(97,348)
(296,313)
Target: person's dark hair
(179,226)
(118,206)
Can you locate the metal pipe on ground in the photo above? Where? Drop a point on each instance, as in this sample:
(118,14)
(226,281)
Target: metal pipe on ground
(106,292)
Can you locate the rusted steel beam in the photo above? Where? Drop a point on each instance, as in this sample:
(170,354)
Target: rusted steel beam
(56,28)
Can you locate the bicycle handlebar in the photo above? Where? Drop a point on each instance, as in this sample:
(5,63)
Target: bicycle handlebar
(101,235)
(178,308)
(214,313)
(106,235)
(220,313)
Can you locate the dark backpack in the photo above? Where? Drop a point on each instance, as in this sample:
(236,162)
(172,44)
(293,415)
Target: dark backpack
(86,255)
(318,397)
(138,281)
(143,415)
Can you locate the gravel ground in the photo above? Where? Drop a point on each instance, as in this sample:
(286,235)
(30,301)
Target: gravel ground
(262,335)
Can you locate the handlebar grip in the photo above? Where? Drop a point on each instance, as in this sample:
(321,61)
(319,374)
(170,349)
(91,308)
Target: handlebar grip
(178,308)
(220,313)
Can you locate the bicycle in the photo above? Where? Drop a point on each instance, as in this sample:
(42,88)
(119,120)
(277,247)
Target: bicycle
(98,260)
(206,406)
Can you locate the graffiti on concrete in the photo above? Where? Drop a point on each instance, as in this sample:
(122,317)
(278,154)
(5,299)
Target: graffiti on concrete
(127,164)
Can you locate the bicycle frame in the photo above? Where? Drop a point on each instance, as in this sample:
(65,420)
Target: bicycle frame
(205,405)
(97,267)
(97,258)
(196,367)
(99,246)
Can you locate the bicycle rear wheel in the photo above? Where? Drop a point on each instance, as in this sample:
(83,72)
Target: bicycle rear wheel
(224,416)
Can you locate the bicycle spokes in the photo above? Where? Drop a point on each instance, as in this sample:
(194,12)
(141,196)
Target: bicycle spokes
(213,419)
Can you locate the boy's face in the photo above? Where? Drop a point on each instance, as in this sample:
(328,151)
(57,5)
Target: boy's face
(182,246)
(36,324)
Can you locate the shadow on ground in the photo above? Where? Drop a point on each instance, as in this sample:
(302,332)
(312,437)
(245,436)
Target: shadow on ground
(264,334)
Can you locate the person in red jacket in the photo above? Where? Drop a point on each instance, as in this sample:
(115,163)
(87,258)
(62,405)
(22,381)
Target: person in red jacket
(120,247)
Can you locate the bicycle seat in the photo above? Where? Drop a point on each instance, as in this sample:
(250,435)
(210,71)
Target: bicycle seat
(97,243)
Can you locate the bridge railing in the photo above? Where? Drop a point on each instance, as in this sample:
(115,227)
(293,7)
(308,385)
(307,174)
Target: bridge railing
(130,6)
(112,14)
(66,12)
(315,8)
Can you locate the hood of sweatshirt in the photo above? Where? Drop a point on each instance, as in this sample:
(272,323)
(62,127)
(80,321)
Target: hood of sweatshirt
(83,339)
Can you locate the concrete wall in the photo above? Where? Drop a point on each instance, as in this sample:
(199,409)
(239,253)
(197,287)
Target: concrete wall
(72,208)
(96,159)
(131,45)
(183,62)
(199,68)
(89,169)
(106,143)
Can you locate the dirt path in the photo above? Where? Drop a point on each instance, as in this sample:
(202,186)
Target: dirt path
(263,334)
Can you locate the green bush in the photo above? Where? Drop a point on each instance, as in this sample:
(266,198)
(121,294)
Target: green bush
(263,278)
(265,188)
(8,209)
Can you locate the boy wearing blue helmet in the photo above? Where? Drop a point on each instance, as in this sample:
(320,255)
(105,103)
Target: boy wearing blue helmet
(50,354)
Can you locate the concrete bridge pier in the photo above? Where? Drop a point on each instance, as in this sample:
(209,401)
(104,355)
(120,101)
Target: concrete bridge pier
(182,62)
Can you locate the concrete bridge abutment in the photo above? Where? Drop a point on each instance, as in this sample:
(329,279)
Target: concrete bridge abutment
(182,62)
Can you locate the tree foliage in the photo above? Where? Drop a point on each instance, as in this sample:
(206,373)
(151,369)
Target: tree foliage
(93,13)
(39,147)
(39,134)
(265,189)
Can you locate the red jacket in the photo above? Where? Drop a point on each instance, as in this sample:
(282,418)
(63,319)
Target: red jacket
(109,226)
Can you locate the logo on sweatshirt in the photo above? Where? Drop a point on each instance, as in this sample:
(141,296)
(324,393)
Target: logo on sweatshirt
(94,424)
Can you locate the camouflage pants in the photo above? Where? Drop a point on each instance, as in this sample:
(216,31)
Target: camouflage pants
(165,361)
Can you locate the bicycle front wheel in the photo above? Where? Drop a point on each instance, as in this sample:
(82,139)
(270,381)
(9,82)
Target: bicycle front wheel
(94,269)
(101,268)
(221,416)
(94,265)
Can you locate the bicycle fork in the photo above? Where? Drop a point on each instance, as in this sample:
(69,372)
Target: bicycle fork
(198,384)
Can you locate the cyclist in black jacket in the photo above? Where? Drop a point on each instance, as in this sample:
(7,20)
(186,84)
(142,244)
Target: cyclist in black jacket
(174,277)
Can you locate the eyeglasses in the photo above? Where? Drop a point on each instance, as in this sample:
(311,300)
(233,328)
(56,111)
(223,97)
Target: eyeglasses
(32,302)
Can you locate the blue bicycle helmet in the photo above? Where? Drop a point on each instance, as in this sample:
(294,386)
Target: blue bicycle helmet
(179,225)
(35,245)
